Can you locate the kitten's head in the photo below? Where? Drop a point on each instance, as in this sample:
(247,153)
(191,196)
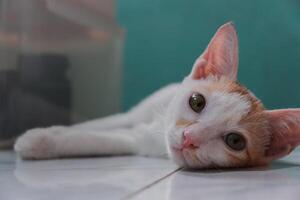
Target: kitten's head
(213,121)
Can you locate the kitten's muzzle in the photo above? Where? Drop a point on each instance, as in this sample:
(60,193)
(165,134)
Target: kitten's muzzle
(188,142)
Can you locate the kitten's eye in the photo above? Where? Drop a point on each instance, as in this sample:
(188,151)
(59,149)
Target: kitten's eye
(197,102)
(235,141)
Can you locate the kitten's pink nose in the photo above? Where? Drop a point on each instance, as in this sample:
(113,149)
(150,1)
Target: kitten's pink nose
(188,142)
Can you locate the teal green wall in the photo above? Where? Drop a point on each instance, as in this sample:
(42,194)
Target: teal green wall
(165,36)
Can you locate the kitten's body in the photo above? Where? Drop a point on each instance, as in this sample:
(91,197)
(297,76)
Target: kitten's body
(207,120)
(139,131)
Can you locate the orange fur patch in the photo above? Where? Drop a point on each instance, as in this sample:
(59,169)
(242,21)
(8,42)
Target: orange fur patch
(183,123)
(254,122)
(256,125)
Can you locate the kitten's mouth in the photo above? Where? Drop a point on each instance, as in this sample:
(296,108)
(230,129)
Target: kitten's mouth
(185,157)
(178,157)
(190,158)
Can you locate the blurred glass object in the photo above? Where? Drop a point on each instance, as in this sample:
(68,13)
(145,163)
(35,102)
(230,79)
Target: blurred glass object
(60,63)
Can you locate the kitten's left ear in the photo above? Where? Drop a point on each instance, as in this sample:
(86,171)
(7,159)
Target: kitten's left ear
(220,57)
(285,132)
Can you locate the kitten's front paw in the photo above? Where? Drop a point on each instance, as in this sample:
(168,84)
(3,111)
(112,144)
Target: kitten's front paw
(37,143)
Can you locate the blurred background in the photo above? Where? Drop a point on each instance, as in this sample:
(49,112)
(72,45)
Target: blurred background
(65,61)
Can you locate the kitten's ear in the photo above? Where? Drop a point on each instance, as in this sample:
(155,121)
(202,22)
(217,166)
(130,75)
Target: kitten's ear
(285,132)
(220,57)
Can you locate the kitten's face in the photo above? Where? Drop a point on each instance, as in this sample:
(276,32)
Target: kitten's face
(216,123)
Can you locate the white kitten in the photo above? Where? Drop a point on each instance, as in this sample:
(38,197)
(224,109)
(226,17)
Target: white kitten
(208,120)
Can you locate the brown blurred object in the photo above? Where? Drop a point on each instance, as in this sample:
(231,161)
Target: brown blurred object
(86,34)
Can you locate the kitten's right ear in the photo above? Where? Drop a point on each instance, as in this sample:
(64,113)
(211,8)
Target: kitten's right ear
(285,132)
(220,57)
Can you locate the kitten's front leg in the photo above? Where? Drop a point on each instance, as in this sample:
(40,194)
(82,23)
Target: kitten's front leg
(55,142)
(58,141)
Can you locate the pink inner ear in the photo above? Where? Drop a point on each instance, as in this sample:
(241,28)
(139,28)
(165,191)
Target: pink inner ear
(221,55)
(285,132)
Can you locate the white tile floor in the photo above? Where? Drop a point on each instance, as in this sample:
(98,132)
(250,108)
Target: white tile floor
(142,178)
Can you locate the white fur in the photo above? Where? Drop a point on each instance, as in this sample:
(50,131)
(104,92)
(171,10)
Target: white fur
(147,128)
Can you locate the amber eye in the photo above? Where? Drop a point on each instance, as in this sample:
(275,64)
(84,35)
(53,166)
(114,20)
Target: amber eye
(235,141)
(197,102)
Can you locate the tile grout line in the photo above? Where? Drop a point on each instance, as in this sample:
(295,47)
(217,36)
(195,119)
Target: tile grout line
(130,196)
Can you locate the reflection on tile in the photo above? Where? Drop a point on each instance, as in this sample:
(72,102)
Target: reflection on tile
(93,178)
(87,184)
(121,162)
(7,160)
(280,181)
(143,178)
